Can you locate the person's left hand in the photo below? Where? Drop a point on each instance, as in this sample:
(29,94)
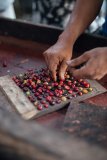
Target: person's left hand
(94,64)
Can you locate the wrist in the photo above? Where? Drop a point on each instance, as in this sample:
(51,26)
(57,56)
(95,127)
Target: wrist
(68,36)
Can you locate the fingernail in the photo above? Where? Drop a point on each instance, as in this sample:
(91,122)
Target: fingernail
(62,76)
(55,79)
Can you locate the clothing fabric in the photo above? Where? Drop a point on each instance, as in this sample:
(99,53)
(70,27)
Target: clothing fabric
(54,12)
(104,27)
(4,4)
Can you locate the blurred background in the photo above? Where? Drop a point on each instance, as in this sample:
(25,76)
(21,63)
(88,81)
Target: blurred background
(51,12)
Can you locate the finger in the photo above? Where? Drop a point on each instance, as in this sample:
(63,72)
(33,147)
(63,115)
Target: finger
(78,61)
(98,77)
(53,67)
(82,73)
(62,70)
(46,57)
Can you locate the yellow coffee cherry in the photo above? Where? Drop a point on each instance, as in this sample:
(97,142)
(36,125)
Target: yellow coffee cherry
(35,103)
(64,99)
(28,93)
(90,89)
(85,91)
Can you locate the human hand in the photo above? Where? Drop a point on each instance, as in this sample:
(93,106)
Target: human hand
(94,64)
(56,57)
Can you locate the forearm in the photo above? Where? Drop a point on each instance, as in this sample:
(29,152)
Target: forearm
(83,14)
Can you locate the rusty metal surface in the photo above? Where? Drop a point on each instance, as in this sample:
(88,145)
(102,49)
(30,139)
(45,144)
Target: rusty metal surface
(87,122)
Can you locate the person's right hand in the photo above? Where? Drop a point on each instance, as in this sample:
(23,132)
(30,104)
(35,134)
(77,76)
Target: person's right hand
(56,57)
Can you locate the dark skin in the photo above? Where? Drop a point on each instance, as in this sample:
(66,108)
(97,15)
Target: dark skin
(59,55)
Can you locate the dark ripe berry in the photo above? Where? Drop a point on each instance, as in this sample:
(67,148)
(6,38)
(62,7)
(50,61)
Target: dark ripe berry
(45,95)
(80,80)
(27,84)
(39,90)
(66,87)
(52,84)
(61,83)
(74,95)
(30,87)
(45,83)
(58,101)
(14,78)
(31,99)
(75,82)
(69,97)
(65,94)
(37,94)
(4,63)
(75,89)
(73,86)
(70,91)
(69,83)
(48,79)
(43,102)
(59,87)
(30,81)
(52,103)
(46,105)
(18,83)
(55,84)
(45,87)
(49,98)
(57,94)
(78,85)
(34,86)
(39,97)
(47,91)
(39,107)
(60,92)
(33,91)
(22,86)
(80,93)
(25,89)
(86,85)
(51,94)
(49,87)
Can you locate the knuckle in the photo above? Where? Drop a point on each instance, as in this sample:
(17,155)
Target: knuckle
(86,55)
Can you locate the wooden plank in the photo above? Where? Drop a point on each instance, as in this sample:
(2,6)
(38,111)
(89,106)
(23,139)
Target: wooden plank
(22,104)
(17,97)
(88,122)
(25,140)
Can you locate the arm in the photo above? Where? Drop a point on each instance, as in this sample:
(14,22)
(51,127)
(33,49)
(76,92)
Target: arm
(83,14)
(85,11)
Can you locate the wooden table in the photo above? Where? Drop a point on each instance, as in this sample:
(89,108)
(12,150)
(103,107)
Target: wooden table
(22,45)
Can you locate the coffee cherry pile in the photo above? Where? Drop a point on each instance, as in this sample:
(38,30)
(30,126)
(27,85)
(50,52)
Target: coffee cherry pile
(42,91)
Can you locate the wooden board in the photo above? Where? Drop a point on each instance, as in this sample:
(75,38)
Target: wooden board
(27,110)
(23,140)
(87,122)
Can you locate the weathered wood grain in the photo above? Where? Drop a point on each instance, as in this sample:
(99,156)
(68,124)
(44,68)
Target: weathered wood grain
(22,104)
(21,139)
(17,98)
